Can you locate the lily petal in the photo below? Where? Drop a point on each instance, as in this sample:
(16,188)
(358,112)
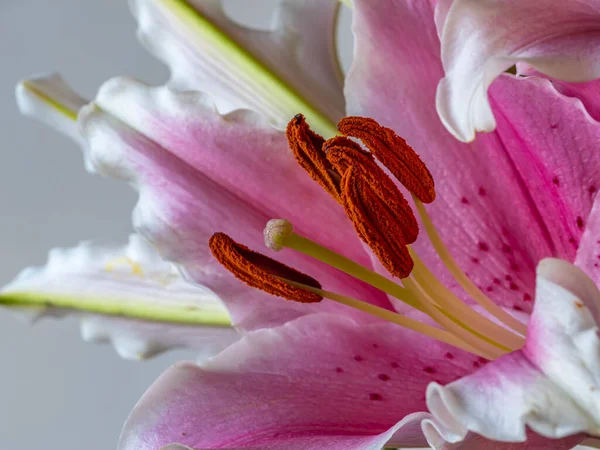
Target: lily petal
(588,253)
(542,156)
(199,172)
(552,385)
(49,99)
(289,69)
(321,381)
(126,295)
(480,40)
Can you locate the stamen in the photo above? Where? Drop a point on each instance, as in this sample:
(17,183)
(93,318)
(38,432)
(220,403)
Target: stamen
(379,221)
(262,272)
(395,154)
(279,236)
(470,288)
(307,147)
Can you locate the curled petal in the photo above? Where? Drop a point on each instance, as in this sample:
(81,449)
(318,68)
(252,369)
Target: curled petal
(126,295)
(280,72)
(49,99)
(480,40)
(551,386)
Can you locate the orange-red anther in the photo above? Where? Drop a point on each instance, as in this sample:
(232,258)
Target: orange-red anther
(260,271)
(344,153)
(379,220)
(395,154)
(307,147)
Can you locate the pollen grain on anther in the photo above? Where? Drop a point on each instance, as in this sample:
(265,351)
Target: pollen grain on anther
(260,271)
(394,153)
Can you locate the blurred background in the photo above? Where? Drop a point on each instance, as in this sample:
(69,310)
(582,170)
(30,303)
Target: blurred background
(56,391)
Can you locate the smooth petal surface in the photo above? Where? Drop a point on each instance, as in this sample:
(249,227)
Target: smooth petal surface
(289,69)
(542,156)
(551,386)
(480,40)
(321,381)
(49,99)
(199,172)
(126,295)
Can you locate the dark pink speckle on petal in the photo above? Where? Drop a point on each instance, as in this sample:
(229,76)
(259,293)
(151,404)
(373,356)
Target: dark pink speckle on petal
(383,377)
(375,397)
(481,191)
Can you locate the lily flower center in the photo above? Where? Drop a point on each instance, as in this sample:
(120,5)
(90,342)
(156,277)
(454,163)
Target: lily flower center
(384,220)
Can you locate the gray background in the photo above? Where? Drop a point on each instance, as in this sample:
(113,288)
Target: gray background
(57,392)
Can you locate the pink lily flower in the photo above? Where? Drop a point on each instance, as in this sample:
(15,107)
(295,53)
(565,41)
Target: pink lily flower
(326,375)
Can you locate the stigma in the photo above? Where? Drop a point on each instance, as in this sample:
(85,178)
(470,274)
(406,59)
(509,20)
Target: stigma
(353,169)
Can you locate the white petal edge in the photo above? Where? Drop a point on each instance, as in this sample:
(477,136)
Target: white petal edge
(49,99)
(477,45)
(551,386)
(288,69)
(126,295)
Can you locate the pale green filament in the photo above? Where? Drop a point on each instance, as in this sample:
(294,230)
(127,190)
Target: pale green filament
(470,288)
(414,325)
(310,248)
(448,301)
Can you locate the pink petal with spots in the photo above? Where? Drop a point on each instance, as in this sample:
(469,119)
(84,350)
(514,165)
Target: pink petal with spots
(497,242)
(318,382)
(480,40)
(198,172)
(551,386)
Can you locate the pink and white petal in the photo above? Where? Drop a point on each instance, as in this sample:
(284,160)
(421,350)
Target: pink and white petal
(321,381)
(551,386)
(239,151)
(394,78)
(126,295)
(180,207)
(49,99)
(482,40)
(290,68)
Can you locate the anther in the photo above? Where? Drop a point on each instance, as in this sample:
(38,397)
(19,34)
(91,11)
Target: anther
(394,153)
(380,220)
(262,272)
(307,147)
(344,154)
